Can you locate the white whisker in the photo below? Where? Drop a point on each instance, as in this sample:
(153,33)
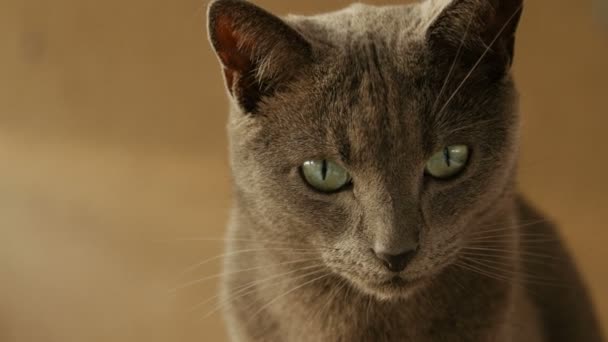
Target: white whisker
(253,241)
(518,274)
(452,67)
(503,257)
(465,127)
(488,48)
(252,286)
(253,250)
(511,252)
(482,272)
(332,297)
(287,293)
(218,275)
(522,236)
(508,228)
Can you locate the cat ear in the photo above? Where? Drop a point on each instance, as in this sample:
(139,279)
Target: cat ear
(478,24)
(257,50)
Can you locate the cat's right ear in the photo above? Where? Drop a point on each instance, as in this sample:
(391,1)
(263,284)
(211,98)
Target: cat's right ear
(486,27)
(257,50)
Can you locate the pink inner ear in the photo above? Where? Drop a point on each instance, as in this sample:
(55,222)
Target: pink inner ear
(228,42)
(235,53)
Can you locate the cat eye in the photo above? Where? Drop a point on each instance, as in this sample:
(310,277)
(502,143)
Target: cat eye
(448,162)
(325,175)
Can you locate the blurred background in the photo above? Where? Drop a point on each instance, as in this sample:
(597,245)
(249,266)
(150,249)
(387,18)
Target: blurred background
(112,150)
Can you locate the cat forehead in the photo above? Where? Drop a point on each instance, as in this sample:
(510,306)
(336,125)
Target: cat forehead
(377,90)
(361,38)
(362,20)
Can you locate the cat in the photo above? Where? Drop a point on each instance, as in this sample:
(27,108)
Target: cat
(373,154)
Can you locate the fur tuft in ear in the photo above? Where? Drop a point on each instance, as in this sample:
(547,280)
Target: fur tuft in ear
(258,51)
(477,24)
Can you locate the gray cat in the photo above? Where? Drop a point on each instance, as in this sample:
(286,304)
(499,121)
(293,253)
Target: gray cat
(374,154)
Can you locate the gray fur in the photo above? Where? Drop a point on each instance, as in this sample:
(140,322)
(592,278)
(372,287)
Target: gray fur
(362,87)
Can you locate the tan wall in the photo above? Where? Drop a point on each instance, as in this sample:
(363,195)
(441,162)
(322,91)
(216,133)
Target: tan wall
(112,147)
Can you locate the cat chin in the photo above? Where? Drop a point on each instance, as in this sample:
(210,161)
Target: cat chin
(391,290)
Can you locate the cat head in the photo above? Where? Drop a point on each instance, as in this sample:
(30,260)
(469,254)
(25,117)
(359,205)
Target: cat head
(376,136)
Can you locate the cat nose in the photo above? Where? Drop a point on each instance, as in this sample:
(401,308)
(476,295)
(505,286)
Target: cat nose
(395,262)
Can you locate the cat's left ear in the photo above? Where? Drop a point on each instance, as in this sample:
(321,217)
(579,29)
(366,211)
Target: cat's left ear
(477,24)
(257,50)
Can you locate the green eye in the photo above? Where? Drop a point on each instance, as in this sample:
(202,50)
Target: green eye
(448,162)
(325,175)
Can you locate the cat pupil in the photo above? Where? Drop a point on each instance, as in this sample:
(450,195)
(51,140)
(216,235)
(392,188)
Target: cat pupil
(324,170)
(446,154)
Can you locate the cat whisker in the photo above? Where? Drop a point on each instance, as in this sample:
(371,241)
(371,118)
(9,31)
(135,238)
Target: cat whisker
(253,241)
(238,290)
(485,261)
(519,274)
(515,280)
(497,243)
(218,275)
(368,308)
(488,48)
(334,294)
(511,252)
(459,284)
(508,228)
(520,236)
(475,124)
(502,257)
(523,222)
(537,244)
(474,269)
(453,66)
(252,287)
(327,274)
(502,277)
(302,251)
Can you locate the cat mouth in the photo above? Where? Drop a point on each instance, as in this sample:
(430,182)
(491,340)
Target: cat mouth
(387,287)
(396,287)
(395,282)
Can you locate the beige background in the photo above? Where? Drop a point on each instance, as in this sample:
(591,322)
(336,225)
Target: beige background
(112,148)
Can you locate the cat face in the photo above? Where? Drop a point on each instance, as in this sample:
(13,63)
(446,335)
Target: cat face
(376,136)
